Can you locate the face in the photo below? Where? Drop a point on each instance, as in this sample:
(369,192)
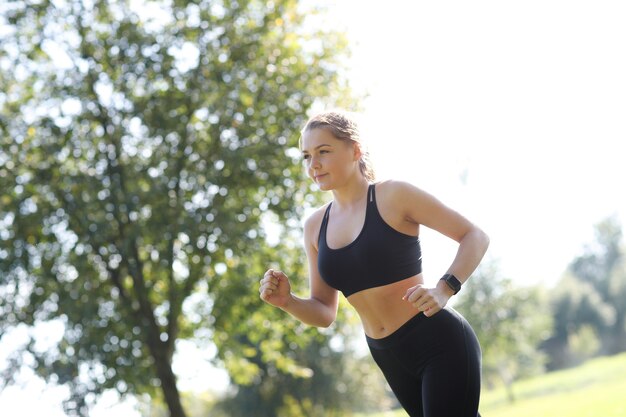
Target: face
(329,161)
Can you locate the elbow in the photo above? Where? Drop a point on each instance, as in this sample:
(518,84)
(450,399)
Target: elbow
(477,239)
(326,324)
(484,240)
(326,320)
(319,322)
(326,313)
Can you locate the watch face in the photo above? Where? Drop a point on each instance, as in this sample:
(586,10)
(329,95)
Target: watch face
(453,282)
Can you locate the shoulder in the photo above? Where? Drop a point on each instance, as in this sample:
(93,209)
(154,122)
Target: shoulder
(313,223)
(407,201)
(398,191)
(315,219)
(418,206)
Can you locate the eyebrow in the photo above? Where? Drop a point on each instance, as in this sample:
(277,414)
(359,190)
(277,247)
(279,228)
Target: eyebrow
(317,147)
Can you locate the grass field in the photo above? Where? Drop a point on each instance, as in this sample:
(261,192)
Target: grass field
(596,388)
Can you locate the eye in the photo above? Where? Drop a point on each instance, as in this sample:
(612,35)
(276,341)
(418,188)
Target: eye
(306,156)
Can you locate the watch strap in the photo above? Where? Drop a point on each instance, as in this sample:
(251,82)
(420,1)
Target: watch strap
(452,282)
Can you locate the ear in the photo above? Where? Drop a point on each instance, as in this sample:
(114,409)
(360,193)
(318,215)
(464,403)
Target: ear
(356,147)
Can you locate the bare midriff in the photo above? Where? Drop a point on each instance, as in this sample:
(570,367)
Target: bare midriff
(382,309)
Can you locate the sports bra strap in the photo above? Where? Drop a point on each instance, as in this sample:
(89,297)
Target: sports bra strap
(327,213)
(324,225)
(379,255)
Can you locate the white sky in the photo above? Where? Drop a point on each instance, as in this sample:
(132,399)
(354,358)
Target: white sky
(525,100)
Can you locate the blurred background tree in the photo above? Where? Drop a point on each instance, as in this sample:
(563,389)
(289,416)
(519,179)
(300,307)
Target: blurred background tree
(510,323)
(144,146)
(279,366)
(525,330)
(589,303)
(144,149)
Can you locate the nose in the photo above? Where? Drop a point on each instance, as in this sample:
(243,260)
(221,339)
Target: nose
(314,162)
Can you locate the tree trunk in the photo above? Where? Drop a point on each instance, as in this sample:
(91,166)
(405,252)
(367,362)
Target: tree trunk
(508,383)
(618,335)
(166,375)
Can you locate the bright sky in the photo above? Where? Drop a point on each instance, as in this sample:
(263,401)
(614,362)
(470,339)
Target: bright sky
(511,112)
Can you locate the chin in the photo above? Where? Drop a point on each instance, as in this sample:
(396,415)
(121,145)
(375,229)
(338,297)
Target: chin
(323,186)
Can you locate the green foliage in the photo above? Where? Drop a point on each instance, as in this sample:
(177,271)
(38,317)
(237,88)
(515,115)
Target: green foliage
(282,367)
(575,305)
(510,323)
(600,257)
(140,151)
(584,343)
(591,295)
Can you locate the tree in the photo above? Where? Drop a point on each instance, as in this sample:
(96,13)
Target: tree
(286,368)
(141,148)
(600,257)
(617,291)
(576,307)
(603,266)
(590,298)
(510,323)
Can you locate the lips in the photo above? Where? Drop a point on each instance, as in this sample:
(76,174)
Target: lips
(319,176)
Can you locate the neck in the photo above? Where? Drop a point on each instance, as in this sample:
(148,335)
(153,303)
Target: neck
(352,193)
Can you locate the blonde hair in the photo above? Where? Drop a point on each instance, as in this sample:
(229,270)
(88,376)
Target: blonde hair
(343,127)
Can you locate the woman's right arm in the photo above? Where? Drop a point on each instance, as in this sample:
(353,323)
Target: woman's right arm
(320,309)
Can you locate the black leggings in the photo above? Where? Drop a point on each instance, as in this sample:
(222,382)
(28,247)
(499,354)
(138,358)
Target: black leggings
(432,365)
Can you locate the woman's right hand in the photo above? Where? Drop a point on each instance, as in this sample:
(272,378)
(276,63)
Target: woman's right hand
(275,288)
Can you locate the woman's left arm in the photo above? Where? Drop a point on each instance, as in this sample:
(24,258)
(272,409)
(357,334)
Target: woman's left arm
(422,208)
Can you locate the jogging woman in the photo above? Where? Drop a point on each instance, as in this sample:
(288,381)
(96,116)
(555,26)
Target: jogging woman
(365,244)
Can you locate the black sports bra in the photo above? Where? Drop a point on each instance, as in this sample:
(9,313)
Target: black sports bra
(380,254)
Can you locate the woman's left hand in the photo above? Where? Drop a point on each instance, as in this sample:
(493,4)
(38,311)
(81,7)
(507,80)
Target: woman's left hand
(428,300)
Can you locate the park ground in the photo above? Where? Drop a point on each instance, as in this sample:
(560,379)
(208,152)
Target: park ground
(595,388)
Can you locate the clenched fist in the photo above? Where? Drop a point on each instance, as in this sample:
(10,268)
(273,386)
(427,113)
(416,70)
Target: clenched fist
(275,289)
(428,300)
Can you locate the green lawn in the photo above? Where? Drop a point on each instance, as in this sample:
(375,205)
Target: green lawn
(596,388)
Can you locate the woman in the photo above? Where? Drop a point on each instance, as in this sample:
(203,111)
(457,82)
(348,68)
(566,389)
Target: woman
(365,244)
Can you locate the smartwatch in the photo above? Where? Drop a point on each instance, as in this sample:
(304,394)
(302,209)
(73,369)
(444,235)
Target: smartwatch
(452,282)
